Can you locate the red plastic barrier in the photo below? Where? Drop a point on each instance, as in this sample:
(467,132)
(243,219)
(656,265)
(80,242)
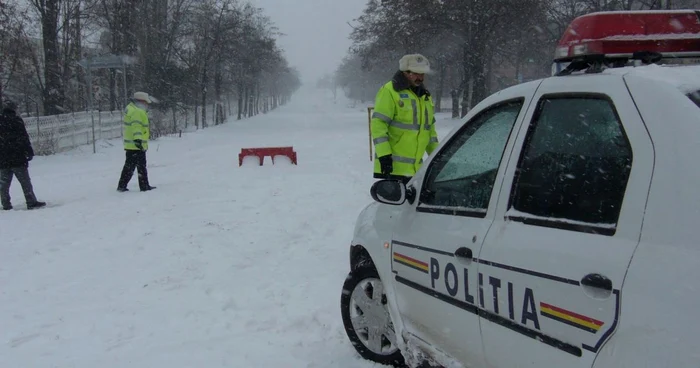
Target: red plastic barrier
(261,152)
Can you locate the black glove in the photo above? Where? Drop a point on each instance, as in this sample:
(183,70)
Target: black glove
(139,144)
(386,164)
(30,157)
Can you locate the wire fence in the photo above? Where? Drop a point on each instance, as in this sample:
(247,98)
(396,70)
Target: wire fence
(59,133)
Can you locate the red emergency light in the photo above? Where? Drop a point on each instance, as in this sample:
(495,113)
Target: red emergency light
(620,34)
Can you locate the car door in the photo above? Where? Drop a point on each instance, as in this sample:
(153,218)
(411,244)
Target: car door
(567,224)
(437,235)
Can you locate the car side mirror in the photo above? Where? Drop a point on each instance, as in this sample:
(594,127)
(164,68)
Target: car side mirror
(389,191)
(410,194)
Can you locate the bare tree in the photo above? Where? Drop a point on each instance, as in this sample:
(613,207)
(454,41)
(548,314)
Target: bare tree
(53,91)
(483,45)
(71,50)
(182,51)
(11,34)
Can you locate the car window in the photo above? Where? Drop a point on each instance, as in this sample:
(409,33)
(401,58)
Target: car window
(463,174)
(695,97)
(575,164)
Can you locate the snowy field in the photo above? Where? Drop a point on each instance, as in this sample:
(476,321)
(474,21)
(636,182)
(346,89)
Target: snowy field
(220,266)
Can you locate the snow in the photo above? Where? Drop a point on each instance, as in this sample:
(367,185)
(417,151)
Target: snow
(684,77)
(524,215)
(220,266)
(644,37)
(676,24)
(653,11)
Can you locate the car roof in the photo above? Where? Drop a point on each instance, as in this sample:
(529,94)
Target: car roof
(684,77)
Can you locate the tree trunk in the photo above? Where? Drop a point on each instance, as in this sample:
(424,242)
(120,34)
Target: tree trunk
(196,117)
(455,103)
(257,100)
(174,119)
(203,91)
(112,89)
(76,56)
(466,81)
(2,72)
(478,66)
(53,89)
(437,95)
(251,102)
(65,47)
(217,91)
(240,101)
(246,93)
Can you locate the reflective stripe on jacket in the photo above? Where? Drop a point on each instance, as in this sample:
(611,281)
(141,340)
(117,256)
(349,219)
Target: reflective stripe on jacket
(136,126)
(403,126)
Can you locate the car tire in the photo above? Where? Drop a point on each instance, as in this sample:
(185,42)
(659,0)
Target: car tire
(366,318)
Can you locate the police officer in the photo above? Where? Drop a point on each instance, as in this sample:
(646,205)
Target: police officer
(403,122)
(136,134)
(15,153)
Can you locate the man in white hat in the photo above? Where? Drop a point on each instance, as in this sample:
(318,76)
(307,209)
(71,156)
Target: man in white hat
(136,134)
(403,122)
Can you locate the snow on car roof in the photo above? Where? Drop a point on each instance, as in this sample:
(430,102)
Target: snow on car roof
(684,77)
(636,12)
(637,37)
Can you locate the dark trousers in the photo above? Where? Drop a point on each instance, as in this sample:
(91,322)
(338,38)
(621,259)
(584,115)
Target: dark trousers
(134,160)
(22,174)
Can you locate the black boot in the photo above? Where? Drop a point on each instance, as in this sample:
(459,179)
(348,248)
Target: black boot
(37,204)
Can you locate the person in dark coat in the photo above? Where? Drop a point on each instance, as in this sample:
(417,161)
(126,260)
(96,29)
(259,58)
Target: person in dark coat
(15,153)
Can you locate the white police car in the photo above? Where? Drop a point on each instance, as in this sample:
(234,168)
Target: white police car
(556,226)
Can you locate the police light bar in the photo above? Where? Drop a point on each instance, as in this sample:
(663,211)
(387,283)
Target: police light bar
(621,34)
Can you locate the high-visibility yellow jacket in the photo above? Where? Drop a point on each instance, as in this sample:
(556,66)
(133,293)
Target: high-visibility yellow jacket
(136,126)
(403,126)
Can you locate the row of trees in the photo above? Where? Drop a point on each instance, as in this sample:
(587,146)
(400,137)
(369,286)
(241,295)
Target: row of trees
(186,53)
(475,46)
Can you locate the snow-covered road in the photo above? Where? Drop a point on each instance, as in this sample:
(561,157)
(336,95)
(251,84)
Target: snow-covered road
(220,266)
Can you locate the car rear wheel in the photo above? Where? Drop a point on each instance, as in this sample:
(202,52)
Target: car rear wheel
(366,317)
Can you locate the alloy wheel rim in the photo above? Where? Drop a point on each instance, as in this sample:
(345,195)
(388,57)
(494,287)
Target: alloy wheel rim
(370,317)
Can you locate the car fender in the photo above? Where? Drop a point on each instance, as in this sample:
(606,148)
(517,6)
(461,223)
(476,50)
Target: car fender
(372,235)
(658,310)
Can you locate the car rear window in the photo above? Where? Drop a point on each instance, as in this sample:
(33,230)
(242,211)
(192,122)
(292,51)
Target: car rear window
(695,97)
(575,165)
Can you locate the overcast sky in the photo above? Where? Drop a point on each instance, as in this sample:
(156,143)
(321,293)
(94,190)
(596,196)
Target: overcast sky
(316,32)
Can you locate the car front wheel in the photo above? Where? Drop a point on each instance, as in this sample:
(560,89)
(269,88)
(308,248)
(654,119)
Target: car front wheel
(366,317)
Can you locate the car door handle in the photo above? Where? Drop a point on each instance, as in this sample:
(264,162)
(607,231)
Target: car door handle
(464,253)
(597,281)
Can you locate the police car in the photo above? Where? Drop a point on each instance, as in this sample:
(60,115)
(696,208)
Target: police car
(556,225)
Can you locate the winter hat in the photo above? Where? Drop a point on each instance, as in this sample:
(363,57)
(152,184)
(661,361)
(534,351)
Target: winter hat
(142,96)
(416,63)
